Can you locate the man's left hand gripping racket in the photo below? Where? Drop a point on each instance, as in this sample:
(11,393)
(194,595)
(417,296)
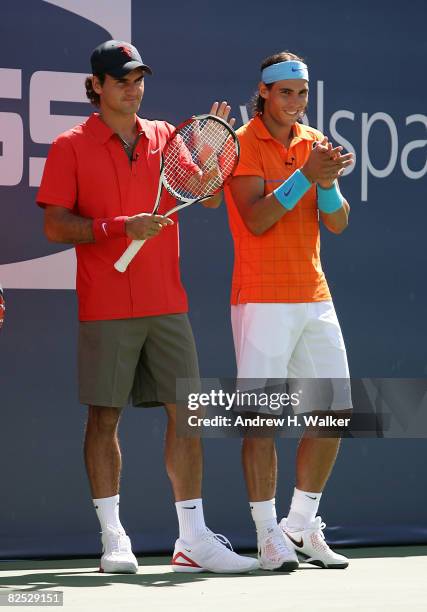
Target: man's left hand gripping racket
(199,156)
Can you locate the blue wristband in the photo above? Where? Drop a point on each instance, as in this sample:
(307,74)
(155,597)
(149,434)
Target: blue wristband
(329,200)
(292,190)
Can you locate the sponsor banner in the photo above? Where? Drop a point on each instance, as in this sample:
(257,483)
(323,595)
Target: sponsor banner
(42,94)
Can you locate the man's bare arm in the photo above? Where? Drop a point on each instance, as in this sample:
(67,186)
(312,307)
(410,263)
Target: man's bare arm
(338,221)
(260,212)
(214,201)
(62,225)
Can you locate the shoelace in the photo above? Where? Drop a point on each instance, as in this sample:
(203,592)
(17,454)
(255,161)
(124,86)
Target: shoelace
(317,529)
(279,542)
(119,541)
(218,539)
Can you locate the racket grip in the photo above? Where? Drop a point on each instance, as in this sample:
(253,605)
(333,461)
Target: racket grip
(123,262)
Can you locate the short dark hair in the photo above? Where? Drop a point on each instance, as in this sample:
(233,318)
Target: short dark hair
(90,92)
(257,102)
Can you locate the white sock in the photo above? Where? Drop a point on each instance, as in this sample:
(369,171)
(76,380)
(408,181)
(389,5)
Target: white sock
(191,519)
(107,509)
(304,507)
(264,516)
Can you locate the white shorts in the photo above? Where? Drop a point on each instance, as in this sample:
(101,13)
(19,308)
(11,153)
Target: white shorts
(298,341)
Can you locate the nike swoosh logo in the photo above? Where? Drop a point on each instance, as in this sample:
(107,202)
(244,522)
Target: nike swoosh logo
(296,69)
(300,544)
(309,496)
(189,507)
(289,191)
(187,549)
(104,225)
(154,151)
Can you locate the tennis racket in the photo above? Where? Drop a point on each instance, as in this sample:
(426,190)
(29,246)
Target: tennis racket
(2,307)
(198,157)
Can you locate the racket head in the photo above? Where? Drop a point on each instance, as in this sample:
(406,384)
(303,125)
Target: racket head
(200,155)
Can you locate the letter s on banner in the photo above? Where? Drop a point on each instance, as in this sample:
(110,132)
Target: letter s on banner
(11,130)
(47,87)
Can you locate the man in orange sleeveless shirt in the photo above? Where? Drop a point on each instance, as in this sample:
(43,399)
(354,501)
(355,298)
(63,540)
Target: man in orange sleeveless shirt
(284,322)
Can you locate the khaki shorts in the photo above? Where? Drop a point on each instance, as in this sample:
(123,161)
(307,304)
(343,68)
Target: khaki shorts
(135,359)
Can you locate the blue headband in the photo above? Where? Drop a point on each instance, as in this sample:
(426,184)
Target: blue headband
(284,71)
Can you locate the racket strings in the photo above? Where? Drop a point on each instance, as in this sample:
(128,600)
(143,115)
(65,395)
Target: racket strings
(198,160)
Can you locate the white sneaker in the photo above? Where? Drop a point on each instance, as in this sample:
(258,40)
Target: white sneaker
(117,557)
(311,547)
(274,552)
(212,552)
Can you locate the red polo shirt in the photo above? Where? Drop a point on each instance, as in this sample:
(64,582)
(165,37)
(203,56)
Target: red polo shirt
(89,172)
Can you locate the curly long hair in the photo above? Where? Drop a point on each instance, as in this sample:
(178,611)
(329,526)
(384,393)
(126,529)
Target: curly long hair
(257,102)
(90,92)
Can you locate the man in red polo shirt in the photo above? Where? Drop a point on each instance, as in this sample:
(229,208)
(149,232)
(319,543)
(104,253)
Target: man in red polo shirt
(98,190)
(284,321)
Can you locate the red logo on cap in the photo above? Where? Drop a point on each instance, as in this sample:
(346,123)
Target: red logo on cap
(126,50)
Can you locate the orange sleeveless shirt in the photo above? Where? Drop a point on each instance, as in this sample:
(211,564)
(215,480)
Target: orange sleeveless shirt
(283,264)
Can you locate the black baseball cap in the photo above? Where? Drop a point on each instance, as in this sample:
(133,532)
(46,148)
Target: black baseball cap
(116,58)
